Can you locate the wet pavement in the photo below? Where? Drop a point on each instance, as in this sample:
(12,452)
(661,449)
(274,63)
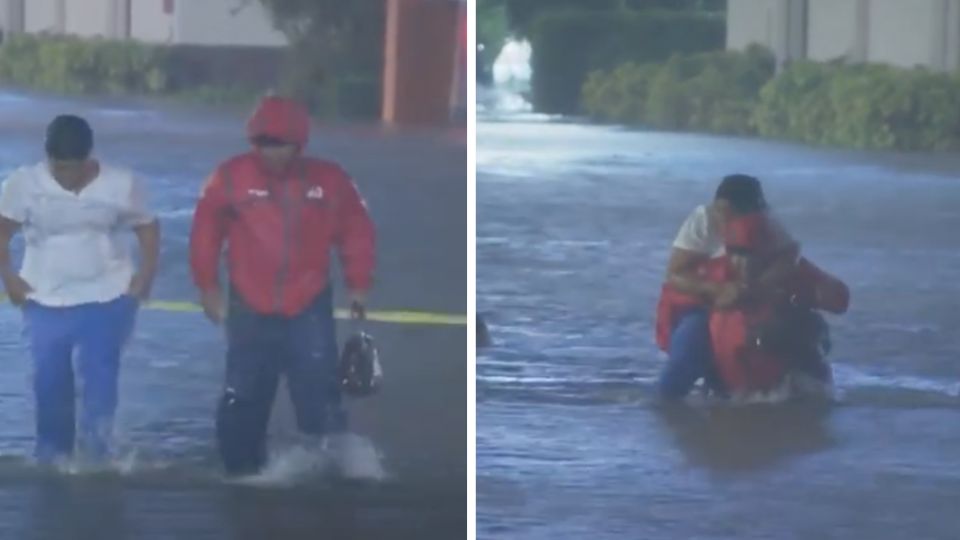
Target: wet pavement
(166,481)
(574,227)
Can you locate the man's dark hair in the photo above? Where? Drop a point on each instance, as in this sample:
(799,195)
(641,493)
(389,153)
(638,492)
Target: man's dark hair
(743,192)
(69,138)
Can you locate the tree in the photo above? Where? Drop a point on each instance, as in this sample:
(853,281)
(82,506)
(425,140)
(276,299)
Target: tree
(523,13)
(330,40)
(492,33)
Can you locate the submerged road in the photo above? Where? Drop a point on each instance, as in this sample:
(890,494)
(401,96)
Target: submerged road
(574,227)
(166,482)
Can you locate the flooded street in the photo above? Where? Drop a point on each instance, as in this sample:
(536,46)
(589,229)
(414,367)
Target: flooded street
(575,224)
(166,482)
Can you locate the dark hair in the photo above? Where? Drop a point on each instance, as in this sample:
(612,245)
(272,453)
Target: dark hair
(69,137)
(743,192)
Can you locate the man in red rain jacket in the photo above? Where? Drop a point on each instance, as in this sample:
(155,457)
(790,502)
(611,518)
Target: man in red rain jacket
(758,341)
(761,340)
(280,215)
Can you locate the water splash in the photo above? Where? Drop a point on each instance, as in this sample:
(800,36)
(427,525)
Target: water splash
(511,77)
(126,462)
(348,456)
(512,65)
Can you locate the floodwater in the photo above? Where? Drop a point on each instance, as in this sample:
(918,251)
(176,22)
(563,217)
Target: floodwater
(405,467)
(574,226)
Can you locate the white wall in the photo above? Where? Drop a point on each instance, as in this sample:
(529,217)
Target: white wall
(776,24)
(952,39)
(42,16)
(198,22)
(750,21)
(225,22)
(11,15)
(149,23)
(89,18)
(831,27)
(901,33)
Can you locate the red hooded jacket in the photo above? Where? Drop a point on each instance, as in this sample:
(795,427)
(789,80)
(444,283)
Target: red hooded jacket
(280,229)
(741,366)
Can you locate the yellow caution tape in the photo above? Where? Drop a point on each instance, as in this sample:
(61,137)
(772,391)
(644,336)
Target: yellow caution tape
(395,317)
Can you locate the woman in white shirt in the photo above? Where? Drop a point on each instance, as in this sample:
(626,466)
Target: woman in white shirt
(78,287)
(701,238)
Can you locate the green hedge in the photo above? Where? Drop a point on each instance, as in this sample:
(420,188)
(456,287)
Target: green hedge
(568,45)
(713,92)
(863,106)
(859,106)
(357,97)
(70,65)
(76,66)
(619,95)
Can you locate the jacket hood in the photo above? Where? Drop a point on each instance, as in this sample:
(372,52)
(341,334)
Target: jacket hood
(280,118)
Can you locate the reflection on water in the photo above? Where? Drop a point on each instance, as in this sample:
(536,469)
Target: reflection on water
(730,439)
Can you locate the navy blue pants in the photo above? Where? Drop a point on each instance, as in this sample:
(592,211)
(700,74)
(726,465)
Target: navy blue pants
(262,347)
(690,357)
(95,335)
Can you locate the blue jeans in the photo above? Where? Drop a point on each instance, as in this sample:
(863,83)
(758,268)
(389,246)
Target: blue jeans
(95,334)
(262,347)
(690,356)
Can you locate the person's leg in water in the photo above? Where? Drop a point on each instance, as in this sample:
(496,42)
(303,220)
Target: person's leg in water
(690,356)
(252,374)
(50,338)
(103,332)
(312,374)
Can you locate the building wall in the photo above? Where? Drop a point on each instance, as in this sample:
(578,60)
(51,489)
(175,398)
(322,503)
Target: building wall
(85,18)
(12,15)
(903,33)
(897,32)
(225,22)
(952,39)
(829,33)
(120,19)
(777,24)
(192,22)
(44,16)
(750,21)
(89,18)
(793,18)
(150,23)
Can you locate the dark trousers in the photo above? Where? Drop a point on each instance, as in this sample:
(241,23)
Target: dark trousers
(261,348)
(690,358)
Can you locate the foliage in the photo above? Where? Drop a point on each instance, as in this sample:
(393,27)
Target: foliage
(863,106)
(714,91)
(330,40)
(859,106)
(619,95)
(492,33)
(72,65)
(569,45)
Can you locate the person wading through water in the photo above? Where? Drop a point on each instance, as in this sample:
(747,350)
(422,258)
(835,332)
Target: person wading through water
(79,288)
(701,238)
(280,213)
